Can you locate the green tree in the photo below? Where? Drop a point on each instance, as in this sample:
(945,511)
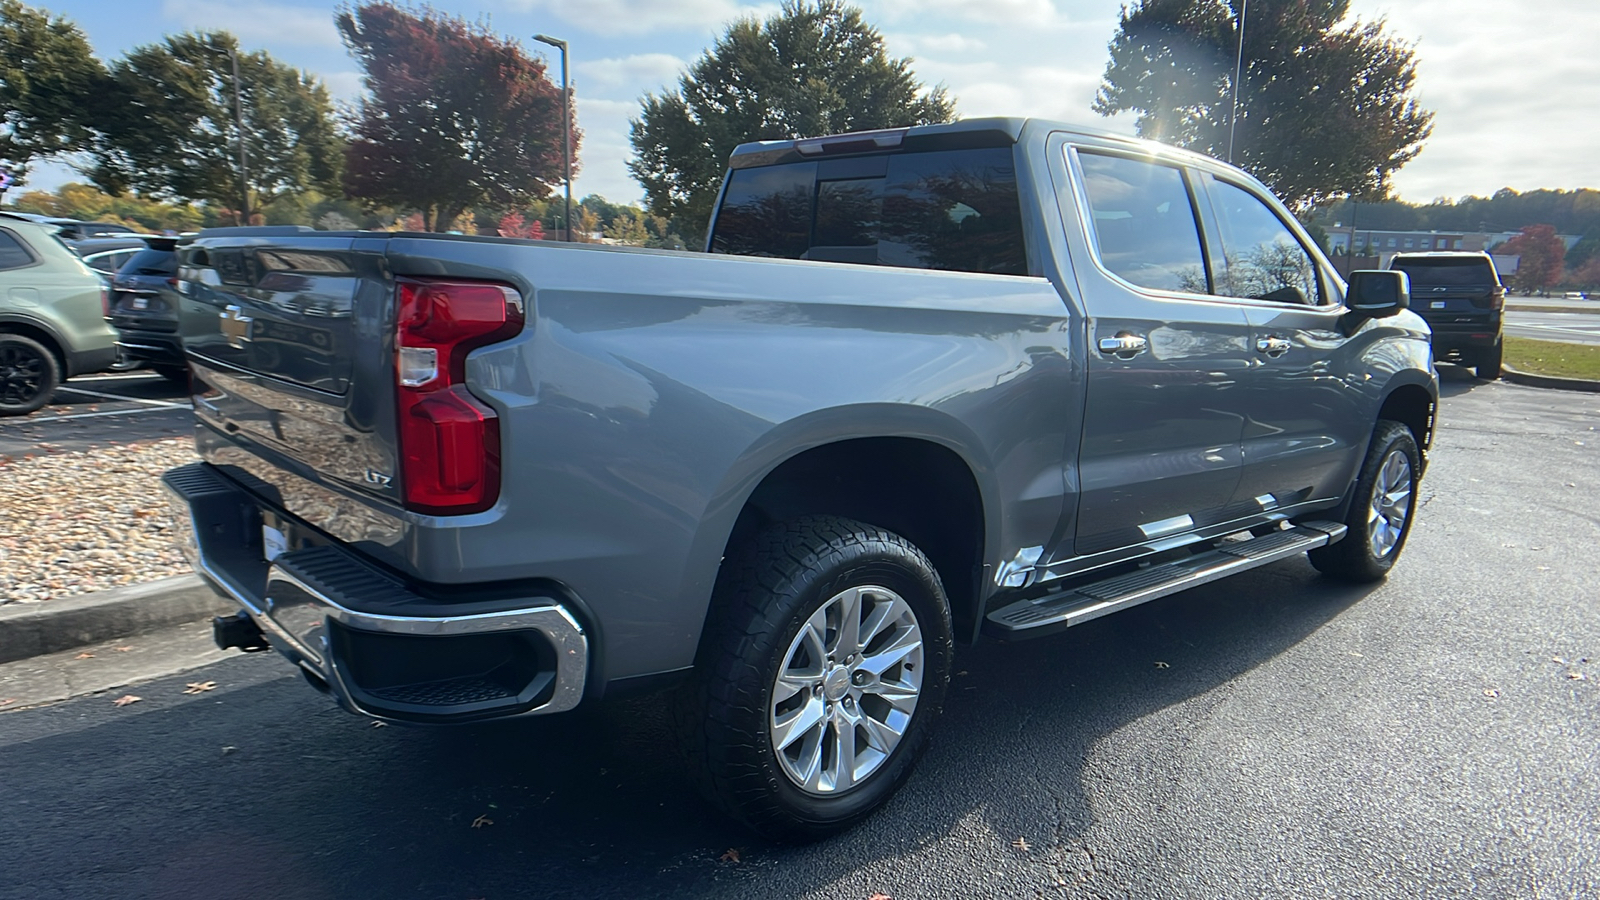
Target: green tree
(47,70)
(1541,256)
(168,127)
(811,69)
(456,116)
(1325,105)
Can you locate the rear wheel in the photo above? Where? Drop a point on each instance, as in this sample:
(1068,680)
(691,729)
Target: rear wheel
(819,678)
(1381,512)
(1488,367)
(29,375)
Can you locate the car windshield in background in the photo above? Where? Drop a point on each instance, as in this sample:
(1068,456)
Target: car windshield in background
(1447,272)
(954,210)
(151,262)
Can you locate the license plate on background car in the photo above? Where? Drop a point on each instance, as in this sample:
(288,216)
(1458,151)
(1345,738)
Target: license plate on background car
(141,303)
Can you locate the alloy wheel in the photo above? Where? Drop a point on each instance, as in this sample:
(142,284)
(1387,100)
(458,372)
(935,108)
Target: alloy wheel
(1391,504)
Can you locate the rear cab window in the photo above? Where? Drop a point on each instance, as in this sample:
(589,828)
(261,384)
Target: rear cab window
(955,210)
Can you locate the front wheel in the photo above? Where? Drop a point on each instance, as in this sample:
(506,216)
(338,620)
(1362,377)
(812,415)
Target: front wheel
(1381,512)
(820,676)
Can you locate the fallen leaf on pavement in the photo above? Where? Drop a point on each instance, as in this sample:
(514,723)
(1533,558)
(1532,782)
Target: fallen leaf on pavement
(85,655)
(731,856)
(126,699)
(200,687)
(1021,844)
(380,724)
(1491,693)
(481,821)
(7,701)
(228,750)
(122,649)
(1576,676)
(879,895)
(1162,665)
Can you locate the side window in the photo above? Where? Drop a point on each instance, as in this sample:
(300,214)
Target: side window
(1144,224)
(1262,260)
(12,254)
(766,211)
(955,210)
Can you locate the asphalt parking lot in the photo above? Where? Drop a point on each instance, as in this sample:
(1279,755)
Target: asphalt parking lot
(1273,735)
(97,410)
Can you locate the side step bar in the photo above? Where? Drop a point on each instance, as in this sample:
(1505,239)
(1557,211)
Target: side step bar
(1053,612)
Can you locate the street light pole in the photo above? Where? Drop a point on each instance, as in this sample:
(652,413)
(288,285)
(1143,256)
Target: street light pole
(1238,70)
(566,124)
(238,121)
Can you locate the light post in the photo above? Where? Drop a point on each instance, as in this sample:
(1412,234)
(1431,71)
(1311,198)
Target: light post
(1238,70)
(238,121)
(566,125)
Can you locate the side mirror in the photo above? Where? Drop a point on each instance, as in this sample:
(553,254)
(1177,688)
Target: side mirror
(1378,293)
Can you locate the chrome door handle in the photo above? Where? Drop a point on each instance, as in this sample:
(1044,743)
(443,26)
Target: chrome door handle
(1273,346)
(1124,345)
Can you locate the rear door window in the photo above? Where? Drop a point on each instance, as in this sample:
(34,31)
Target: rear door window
(1143,223)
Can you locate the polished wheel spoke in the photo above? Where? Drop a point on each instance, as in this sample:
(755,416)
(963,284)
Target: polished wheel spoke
(1391,504)
(847,689)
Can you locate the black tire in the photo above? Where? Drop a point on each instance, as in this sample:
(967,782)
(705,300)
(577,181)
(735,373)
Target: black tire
(1488,365)
(764,598)
(174,374)
(29,375)
(1356,559)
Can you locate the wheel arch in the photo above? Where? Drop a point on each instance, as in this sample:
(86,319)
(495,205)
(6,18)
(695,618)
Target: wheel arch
(911,470)
(11,323)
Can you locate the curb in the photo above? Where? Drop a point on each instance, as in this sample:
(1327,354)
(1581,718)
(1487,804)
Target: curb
(1549,381)
(34,629)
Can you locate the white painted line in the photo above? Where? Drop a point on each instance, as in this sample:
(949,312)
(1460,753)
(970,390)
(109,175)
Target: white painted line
(165,403)
(89,415)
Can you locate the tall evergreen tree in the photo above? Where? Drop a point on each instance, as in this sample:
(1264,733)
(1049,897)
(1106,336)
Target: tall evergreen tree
(1325,104)
(812,69)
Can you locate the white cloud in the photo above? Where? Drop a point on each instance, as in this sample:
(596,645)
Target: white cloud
(637,73)
(912,44)
(1005,12)
(612,17)
(257,22)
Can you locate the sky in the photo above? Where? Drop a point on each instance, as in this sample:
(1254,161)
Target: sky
(1516,93)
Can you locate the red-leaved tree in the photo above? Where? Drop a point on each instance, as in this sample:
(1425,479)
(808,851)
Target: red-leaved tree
(515,225)
(1542,254)
(455,115)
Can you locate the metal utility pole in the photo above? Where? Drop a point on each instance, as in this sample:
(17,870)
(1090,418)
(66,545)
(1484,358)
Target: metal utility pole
(1238,70)
(238,121)
(566,124)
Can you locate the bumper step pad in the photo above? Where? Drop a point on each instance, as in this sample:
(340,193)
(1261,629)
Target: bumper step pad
(1085,602)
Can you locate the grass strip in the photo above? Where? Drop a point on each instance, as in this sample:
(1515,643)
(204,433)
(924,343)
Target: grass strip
(1553,358)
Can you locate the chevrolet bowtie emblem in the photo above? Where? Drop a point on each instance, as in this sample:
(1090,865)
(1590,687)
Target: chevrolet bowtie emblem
(234,325)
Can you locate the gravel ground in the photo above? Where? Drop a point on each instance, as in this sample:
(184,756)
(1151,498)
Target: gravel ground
(71,523)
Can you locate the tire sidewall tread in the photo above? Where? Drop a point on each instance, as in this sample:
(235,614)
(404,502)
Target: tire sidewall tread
(1351,559)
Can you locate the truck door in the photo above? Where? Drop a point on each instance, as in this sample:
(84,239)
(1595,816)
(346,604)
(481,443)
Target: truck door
(1305,427)
(1160,451)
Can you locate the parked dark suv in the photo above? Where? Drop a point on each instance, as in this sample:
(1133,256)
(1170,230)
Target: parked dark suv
(144,308)
(1460,296)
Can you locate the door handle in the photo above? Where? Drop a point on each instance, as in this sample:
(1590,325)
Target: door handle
(1124,345)
(1273,346)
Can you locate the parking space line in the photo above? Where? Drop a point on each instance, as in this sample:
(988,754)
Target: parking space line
(89,415)
(166,403)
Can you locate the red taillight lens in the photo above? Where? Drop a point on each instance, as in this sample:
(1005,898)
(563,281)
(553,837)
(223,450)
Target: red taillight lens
(449,440)
(105,300)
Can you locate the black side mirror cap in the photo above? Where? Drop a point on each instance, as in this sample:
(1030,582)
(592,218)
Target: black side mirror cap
(1378,293)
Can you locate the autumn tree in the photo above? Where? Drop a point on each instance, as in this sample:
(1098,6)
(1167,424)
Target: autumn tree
(1540,254)
(1326,104)
(168,128)
(811,69)
(455,116)
(47,71)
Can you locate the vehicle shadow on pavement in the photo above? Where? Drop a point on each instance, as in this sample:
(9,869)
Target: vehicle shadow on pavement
(265,790)
(1455,381)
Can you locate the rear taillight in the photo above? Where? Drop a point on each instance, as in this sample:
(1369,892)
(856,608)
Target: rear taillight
(105,301)
(449,440)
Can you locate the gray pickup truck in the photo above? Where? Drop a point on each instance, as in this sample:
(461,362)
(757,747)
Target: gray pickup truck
(999,377)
